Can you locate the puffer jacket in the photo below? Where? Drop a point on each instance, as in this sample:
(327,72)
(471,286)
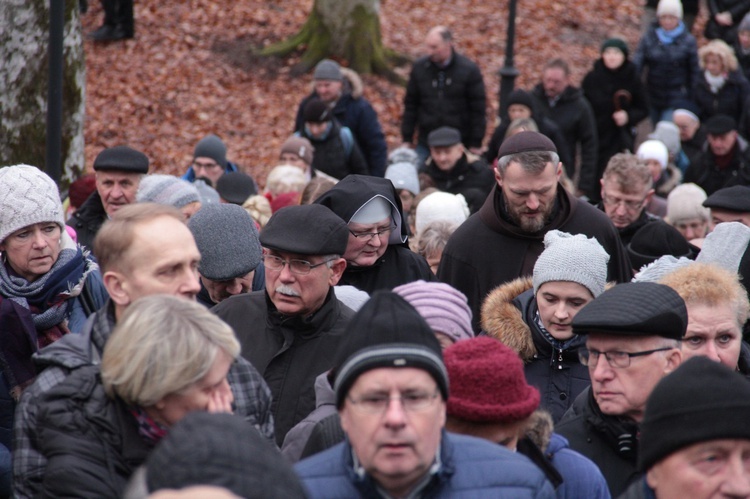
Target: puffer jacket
(729,100)
(672,69)
(88,219)
(508,314)
(469,468)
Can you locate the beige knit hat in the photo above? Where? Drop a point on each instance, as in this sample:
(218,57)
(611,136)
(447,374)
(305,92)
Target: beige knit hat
(27,196)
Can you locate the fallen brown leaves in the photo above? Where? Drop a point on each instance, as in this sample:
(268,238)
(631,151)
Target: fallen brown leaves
(190,70)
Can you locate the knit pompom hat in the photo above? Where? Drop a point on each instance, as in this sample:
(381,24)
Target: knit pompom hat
(27,196)
(669,8)
(445,308)
(573,258)
(166,189)
(487,382)
(654,149)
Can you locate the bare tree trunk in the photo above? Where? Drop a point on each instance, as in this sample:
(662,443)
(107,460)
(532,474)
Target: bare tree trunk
(24,75)
(345,29)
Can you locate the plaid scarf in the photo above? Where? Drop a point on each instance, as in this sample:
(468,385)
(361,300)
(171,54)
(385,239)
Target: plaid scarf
(150,431)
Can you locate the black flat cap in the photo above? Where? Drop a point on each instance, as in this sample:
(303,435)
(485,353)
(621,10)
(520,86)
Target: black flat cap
(443,137)
(635,309)
(121,159)
(308,230)
(735,198)
(719,124)
(236,187)
(526,142)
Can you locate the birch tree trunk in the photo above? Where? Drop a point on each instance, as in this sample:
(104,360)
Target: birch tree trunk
(24,75)
(343,29)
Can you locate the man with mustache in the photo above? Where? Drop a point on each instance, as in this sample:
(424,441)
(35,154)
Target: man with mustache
(502,241)
(290,331)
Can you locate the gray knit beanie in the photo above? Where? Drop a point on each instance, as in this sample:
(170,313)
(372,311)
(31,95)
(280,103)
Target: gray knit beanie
(227,239)
(212,147)
(404,176)
(27,196)
(328,70)
(166,189)
(726,245)
(573,258)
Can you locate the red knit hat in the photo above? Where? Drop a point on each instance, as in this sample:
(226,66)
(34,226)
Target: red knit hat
(487,382)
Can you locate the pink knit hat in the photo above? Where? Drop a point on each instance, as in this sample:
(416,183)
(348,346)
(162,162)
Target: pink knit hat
(487,382)
(443,307)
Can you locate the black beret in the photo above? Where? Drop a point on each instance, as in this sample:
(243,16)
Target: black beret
(656,239)
(635,309)
(735,198)
(526,142)
(443,137)
(701,400)
(316,111)
(308,230)
(236,187)
(121,159)
(719,124)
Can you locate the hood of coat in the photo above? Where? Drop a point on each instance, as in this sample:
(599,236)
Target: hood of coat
(502,320)
(353,85)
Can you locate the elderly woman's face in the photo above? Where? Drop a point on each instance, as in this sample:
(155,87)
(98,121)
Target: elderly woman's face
(33,250)
(211,393)
(713,332)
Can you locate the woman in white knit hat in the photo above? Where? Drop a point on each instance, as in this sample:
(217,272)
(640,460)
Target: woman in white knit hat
(533,315)
(48,284)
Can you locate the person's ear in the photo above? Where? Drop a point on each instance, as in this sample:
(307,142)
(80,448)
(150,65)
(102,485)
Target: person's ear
(116,285)
(337,270)
(498,176)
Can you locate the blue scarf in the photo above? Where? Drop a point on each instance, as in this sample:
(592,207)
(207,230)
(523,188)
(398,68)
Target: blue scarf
(667,37)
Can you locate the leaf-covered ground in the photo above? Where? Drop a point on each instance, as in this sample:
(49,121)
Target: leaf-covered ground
(191,71)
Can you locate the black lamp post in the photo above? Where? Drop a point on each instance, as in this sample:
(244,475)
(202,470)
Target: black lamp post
(508,72)
(53,165)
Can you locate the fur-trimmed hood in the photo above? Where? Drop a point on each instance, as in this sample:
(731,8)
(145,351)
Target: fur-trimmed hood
(353,84)
(502,320)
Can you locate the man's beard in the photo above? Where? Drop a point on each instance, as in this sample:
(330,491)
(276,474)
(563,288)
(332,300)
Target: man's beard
(529,224)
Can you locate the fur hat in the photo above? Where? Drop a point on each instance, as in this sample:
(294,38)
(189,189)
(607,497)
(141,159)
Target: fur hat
(574,258)
(669,8)
(701,400)
(654,149)
(685,202)
(387,332)
(441,206)
(488,384)
(27,196)
(166,189)
(445,308)
(227,239)
(212,147)
(403,176)
(299,146)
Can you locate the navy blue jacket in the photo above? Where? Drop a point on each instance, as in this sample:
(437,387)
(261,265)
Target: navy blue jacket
(729,100)
(469,468)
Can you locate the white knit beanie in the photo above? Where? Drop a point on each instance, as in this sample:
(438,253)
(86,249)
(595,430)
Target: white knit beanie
(686,202)
(669,8)
(654,149)
(573,258)
(442,206)
(27,196)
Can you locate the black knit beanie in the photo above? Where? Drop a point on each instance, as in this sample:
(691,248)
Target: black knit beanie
(617,43)
(387,332)
(701,400)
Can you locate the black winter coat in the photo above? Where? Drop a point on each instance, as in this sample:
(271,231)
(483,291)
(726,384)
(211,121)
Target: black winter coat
(289,351)
(91,442)
(573,114)
(470,177)
(452,96)
(88,219)
(729,100)
(333,156)
(608,441)
(738,9)
(705,173)
(743,58)
(599,87)
(672,69)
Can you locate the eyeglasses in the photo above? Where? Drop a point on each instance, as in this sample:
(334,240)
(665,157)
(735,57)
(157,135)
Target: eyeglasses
(300,267)
(205,166)
(369,235)
(590,358)
(410,401)
(629,205)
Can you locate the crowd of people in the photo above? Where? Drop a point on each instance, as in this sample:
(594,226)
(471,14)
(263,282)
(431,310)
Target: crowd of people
(558,312)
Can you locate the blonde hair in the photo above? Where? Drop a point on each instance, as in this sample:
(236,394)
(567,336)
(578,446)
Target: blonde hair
(259,208)
(161,346)
(709,284)
(285,178)
(720,49)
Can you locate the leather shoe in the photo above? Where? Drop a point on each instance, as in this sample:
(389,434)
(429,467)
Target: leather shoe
(108,33)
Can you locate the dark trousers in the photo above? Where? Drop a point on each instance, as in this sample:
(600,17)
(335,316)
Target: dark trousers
(119,13)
